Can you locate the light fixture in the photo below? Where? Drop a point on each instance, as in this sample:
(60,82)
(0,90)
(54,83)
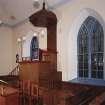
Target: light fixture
(23,38)
(19,40)
(35,34)
(36,4)
(42,32)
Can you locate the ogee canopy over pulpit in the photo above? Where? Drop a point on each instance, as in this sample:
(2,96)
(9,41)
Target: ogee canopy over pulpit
(46,18)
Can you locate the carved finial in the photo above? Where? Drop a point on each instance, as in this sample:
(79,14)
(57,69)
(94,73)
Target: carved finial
(44,4)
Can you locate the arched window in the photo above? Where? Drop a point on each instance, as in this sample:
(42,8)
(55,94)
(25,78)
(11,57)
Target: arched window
(91,49)
(34,49)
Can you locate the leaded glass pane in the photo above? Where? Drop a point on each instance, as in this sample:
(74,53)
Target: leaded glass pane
(80,73)
(97,50)
(94,74)
(85,61)
(100,74)
(83,40)
(34,49)
(81,63)
(91,49)
(100,61)
(94,62)
(83,52)
(86,73)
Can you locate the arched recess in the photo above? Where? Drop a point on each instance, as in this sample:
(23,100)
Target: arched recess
(72,44)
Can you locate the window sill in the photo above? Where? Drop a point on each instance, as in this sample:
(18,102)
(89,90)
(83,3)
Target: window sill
(94,82)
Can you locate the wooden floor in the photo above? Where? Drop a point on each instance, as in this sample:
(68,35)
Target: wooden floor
(69,94)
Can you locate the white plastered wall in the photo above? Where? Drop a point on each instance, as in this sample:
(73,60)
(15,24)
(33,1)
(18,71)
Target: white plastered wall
(6,50)
(73,15)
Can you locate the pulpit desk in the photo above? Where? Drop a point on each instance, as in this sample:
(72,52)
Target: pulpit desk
(9,96)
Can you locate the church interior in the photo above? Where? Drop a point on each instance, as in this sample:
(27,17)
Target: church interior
(52,52)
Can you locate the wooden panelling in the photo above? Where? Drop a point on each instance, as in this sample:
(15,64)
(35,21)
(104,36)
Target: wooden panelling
(9,97)
(33,71)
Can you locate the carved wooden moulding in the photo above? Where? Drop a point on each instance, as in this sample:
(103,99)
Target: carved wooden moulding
(43,18)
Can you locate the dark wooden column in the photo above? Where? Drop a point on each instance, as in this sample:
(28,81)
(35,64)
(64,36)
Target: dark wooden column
(51,38)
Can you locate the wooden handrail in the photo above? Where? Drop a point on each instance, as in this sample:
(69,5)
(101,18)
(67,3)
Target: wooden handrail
(15,71)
